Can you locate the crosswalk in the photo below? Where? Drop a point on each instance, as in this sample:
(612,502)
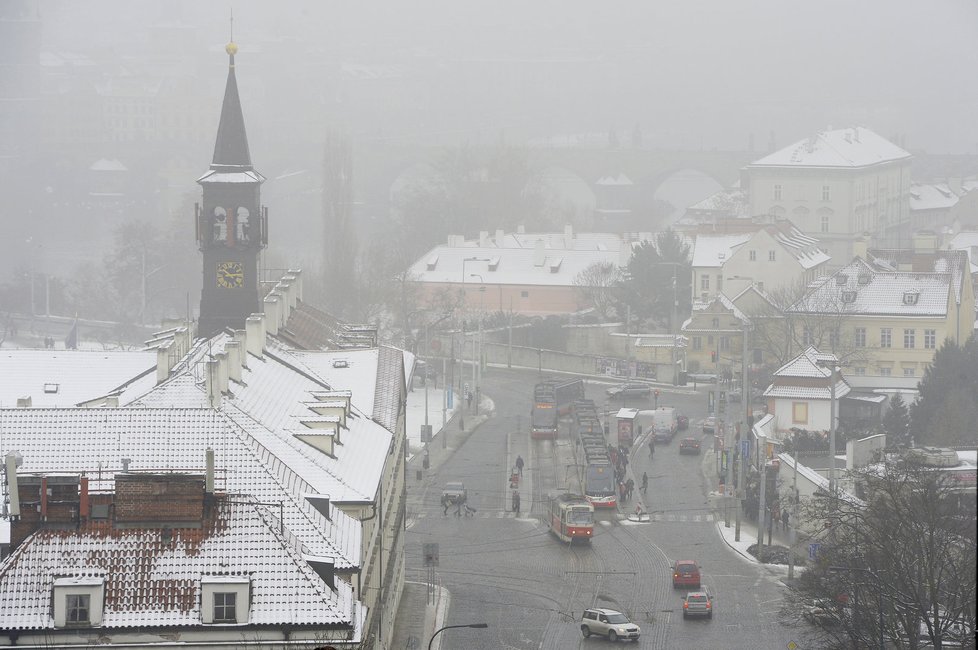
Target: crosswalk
(677,517)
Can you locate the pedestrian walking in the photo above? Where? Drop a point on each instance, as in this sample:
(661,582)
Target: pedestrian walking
(516,501)
(652,448)
(519,464)
(784,519)
(621,491)
(629,488)
(445,502)
(459,502)
(645,482)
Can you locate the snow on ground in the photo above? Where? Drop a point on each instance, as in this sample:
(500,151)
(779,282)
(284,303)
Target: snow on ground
(416,411)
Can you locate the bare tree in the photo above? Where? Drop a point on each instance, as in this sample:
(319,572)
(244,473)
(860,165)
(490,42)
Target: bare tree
(900,563)
(598,286)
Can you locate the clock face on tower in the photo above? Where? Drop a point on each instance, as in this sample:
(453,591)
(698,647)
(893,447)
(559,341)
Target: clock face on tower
(230,275)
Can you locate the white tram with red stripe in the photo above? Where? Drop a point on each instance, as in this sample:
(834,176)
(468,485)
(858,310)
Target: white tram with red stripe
(571,517)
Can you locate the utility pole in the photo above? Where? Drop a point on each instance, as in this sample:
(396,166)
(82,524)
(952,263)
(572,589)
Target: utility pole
(674,326)
(745,431)
(760,509)
(794,509)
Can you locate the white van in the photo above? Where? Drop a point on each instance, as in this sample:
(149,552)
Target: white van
(664,423)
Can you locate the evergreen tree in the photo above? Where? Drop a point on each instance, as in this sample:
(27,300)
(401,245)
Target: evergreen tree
(896,422)
(648,288)
(947,408)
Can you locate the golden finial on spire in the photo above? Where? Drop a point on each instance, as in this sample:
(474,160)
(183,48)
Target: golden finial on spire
(231,48)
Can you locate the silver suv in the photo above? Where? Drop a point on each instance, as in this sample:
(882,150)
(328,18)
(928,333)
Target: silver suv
(609,623)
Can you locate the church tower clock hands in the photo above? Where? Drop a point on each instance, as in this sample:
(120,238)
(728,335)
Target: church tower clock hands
(231,224)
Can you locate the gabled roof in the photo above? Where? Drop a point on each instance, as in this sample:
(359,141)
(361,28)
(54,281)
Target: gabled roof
(807,366)
(94,441)
(152,584)
(860,288)
(715,250)
(725,302)
(936,196)
(846,148)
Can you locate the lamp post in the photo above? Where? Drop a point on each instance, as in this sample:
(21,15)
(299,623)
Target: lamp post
(833,365)
(746,395)
(461,373)
(449,627)
(478,369)
(879,594)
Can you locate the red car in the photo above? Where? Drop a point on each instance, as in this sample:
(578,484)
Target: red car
(685,573)
(689,446)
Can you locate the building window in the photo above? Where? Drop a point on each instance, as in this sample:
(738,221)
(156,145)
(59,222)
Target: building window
(770,256)
(826,195)
(860,371)
(886,337)
(860,338)
(705,282)
(720,283)
(77,609)
(909,338)
(697,342)
(908,372)
(807,337)
(799,412)
(930,339)
(777,192)
(716,323)
(724,343)
(825,224)
(753,256)
(524,294)
(224,607)
(885,372)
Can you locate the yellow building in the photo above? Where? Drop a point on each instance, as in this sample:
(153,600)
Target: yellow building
(885,318)
(715,337)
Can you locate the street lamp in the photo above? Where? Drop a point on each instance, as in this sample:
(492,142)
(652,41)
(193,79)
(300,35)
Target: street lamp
(478,369)
(449,627)
(833,365)
(746,395)
(461,374)
(879,593)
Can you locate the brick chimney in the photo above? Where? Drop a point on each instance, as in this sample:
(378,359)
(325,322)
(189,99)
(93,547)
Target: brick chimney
(149,499)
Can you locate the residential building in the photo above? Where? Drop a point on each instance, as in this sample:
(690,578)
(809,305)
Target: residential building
(535,274)
(772,255)
(837,185)
(714,333)
(802,392)
(885,319)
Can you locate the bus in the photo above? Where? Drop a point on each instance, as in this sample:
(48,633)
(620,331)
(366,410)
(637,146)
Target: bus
(597,472)
(571,517)
(543,415)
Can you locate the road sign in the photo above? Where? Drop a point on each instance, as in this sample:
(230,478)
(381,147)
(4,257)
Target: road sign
(744,448)
(430,550)
(425,433)
(813,550)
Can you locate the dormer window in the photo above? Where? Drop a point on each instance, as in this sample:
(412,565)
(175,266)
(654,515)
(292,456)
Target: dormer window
(864,278)
(841,279)
(78,601)
(224,599)
(910,297)
(848,296)
(431,263)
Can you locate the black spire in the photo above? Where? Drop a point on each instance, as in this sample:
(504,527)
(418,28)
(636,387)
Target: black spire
(231,148)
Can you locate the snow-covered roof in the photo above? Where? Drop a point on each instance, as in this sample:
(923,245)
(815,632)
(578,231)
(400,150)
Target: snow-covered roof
(508,266)
(967,240)
(725,302)
(242,541)
(732,201)
(851,147)
(819,481)
(94,441)
(72,377)
(859,288)
(931,197)
(807,365)
(806,392)
(106,165)
(715,250)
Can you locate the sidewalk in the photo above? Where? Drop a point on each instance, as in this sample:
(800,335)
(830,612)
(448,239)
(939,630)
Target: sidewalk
(417,616)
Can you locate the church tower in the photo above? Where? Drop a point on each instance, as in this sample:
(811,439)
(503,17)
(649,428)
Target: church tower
(232,225)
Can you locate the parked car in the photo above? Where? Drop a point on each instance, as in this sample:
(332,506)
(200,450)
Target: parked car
(689,446)
(702,377)
(685,573)
(819,611)
(698,603)
(609,623)
(629,390)
(710,425)
(682,421)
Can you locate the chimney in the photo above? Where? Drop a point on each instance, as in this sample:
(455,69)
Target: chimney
(483,238)
(222,371)
(271,314)
(163,361)
(212,383)
(241,338)
(152,499)
(568,236)
(539,253)
(500,237)
(924,241)
(209,479)
(284,303)
(297,274)
(13,461)
(255,342)
(83,498)
(521,229)
(24,402)
(234,350)
(291,284)
(859,247)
